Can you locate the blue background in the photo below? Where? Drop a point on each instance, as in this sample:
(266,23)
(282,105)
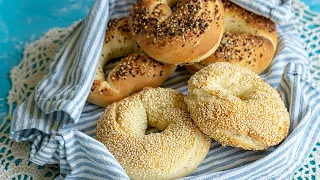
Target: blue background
(24,21)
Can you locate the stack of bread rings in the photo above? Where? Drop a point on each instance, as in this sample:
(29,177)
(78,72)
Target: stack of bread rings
(159,133)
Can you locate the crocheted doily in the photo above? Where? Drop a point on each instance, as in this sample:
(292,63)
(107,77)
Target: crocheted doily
(309,28)
(24,77)
(34,65)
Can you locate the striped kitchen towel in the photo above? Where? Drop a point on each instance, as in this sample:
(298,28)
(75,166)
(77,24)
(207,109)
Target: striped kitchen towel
(277,10)
(61,125)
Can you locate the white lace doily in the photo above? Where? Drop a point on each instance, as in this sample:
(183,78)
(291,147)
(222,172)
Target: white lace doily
(14,163)
(34,65)
(309,29)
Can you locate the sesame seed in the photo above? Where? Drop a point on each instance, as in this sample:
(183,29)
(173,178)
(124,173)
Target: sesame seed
(242,111)
(122,129)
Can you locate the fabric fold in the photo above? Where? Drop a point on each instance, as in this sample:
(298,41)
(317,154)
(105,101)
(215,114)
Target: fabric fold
(80,156)
(65,87)
(279,11)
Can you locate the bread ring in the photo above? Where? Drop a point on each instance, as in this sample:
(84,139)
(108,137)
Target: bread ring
(173,153)
(177,32)
(249,40)
(236,107)
(134,72)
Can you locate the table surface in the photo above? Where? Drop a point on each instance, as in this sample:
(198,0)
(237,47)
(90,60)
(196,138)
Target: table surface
(22,22)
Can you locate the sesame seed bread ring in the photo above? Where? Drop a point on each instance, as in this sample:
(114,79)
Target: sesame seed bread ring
(249,40)
(135,70)
(177,32)
(236,107)
(173,153)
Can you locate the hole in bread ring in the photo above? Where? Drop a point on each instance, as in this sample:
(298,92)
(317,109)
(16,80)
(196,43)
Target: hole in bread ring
(231,84)
(151,129)
(135,70)
(242,140)
(177,32)
(172,153)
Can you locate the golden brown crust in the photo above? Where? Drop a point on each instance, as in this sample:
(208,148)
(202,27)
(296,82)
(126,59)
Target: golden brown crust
(130,75)
(118,43)
(173,153)
(241,21)
(134,72)
(167,33)
(246,50)
(235,107)
(249,41)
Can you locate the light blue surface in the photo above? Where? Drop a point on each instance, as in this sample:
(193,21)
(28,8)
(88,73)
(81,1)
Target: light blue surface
(313,4)
(24,21)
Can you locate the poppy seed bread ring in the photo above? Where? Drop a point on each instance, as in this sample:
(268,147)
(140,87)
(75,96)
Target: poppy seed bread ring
(173,153)
(249,40)
(236,107)
(177,32)
(135,70)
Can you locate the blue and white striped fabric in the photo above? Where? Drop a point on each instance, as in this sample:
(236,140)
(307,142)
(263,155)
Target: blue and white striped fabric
(278,11)
(61,125)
